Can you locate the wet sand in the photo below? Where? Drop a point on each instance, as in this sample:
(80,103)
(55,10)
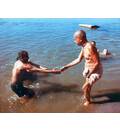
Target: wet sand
(53,96)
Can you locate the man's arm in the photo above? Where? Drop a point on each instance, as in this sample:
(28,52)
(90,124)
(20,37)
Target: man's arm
(74,62)
(95,57)
(36,69)
(15,73)
(36,65)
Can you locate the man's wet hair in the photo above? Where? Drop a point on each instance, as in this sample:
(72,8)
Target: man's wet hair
(22,54)
(81,34)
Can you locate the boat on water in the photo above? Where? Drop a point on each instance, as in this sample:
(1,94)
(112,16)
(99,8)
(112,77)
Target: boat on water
(89,26)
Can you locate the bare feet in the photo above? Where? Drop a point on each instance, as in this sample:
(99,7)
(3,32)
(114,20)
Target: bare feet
(23,99)
(86,103)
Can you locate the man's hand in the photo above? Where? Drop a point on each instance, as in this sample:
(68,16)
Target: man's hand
(56,71)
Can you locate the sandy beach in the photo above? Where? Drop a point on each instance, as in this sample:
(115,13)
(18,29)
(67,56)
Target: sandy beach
(52,96)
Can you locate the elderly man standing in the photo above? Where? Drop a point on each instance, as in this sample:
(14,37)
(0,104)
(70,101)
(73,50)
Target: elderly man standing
(93,67)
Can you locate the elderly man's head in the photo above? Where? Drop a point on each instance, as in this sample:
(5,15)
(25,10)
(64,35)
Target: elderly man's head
(80,37)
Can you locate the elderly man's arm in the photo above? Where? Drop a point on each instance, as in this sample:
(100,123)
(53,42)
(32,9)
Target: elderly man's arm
(74,62)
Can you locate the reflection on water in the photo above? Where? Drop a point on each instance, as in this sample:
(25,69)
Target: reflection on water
(50,43)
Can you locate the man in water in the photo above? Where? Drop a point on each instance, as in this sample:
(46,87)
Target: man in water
(93,68)
(105,53)
(24,65)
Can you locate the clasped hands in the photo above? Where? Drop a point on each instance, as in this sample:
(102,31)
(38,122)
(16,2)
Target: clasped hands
(31,68)
(58,71)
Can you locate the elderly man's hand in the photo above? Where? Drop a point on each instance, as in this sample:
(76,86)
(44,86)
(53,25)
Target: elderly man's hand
(64,68)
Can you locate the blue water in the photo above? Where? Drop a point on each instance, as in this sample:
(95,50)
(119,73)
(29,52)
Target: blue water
(50,42)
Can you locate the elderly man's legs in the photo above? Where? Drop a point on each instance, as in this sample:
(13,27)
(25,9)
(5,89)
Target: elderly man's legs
(86,92)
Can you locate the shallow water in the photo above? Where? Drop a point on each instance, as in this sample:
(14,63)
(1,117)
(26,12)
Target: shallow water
(50,43)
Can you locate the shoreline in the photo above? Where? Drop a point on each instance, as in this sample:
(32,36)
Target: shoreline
(64,99)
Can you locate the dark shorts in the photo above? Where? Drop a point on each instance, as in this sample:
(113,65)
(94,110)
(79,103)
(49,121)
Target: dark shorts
(21,91)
